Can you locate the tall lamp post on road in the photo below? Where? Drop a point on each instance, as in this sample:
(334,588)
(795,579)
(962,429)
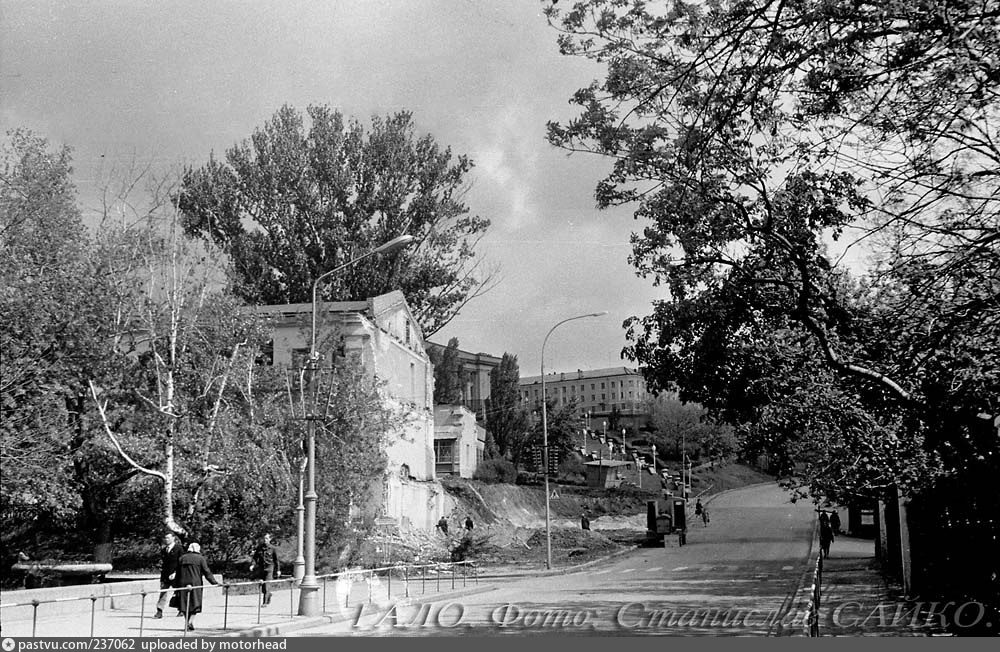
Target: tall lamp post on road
(308,597)
(545,438)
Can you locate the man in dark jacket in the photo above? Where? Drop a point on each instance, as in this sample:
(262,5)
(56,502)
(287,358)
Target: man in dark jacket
(170,556)
(265,565)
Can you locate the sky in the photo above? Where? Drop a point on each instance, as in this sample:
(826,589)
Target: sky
(171,82)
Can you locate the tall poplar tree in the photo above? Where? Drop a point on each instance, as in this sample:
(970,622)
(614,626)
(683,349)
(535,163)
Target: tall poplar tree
(302,196)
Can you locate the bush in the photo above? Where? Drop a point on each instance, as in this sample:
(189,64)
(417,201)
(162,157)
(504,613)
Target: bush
(529,478)
(573,470)
(496,471)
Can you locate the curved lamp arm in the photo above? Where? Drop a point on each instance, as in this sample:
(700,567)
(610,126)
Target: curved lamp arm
(391,245)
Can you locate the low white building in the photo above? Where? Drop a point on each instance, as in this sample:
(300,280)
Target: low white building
(459,442)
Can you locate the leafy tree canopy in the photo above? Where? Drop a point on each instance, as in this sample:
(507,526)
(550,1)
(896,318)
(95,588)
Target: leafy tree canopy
(447,373)
(763,141)
(297,200)
(506,416)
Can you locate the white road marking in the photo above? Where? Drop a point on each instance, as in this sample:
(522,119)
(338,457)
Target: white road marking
(680,568)
(602,572)
(788,568)
(655,569)
(628,570)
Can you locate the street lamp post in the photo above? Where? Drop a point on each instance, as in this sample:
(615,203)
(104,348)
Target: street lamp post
(298,567)
(545,438)
(309,604)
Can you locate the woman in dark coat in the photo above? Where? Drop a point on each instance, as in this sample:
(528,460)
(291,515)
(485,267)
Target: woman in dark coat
(193,568)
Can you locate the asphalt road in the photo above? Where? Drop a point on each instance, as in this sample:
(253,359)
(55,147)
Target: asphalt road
(737,576)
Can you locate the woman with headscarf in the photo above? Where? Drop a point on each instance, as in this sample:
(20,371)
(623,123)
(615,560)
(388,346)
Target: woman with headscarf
(193,568)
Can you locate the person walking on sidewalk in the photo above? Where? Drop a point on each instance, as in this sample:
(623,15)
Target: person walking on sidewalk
(170,556)
(193,568)
(835,522)
(825,536)
(584,521)
(264,566)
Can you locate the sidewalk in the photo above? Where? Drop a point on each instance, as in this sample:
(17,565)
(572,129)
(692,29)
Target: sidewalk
(857,600)
(239,615)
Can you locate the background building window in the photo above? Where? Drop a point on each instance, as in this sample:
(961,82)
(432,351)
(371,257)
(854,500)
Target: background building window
(444,451)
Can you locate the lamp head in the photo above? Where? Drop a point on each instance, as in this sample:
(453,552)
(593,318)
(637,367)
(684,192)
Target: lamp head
(394,244)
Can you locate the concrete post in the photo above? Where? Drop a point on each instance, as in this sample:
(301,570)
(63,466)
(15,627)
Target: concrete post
(905,562)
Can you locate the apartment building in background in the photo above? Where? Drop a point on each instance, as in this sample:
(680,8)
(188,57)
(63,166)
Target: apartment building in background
(596,392)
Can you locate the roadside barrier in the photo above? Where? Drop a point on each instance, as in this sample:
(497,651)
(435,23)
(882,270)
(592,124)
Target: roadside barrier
(815,594)
(459,574)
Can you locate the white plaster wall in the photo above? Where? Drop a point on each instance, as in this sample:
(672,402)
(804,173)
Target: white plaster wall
(417,504)
(413,445)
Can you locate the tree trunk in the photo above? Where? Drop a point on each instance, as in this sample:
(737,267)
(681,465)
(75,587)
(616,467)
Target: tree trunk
(103,552)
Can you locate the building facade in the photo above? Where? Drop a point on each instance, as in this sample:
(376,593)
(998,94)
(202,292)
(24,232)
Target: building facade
(382,336)
(596,392)
(459,442)
(475,369)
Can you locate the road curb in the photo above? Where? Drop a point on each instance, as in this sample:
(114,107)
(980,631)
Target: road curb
(280,629)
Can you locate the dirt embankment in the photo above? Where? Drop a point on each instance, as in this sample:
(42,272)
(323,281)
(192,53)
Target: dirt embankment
(509,520)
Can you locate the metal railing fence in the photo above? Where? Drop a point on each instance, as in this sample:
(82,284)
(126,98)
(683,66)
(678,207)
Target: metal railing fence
(815,595)
(429,576)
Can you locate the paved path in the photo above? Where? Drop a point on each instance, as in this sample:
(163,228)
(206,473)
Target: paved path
(738,576)
(858,601)
(741,575)
(122,616)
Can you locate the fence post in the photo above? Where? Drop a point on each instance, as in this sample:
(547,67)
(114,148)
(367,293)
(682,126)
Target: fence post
(437,573)
(34,616)
(325,578)
(187,609)
(388,590)
(423,581)
(142,610)
(225,610)
(453,576)
(93,607)
(291,600)
(465,574)
(406,581)
(371,579)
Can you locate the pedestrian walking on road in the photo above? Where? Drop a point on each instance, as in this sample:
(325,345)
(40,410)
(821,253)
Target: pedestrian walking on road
(264,566)
(825,537)
(704,516)
(698,508)
(170,556)
(835,522)
(193,568)
(443,525)
(468,524)
(584,521)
